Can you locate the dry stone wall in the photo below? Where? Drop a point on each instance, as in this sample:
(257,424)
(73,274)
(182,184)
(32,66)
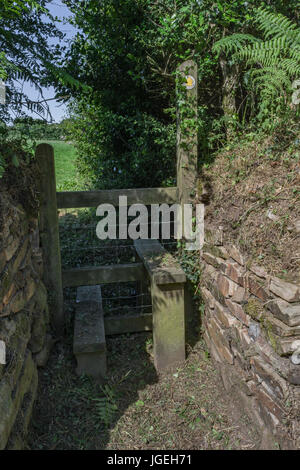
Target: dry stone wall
(24,320)
(252,329)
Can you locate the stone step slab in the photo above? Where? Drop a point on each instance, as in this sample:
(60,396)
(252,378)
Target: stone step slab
(89,344)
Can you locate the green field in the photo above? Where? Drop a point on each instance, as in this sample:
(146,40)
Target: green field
(67,178)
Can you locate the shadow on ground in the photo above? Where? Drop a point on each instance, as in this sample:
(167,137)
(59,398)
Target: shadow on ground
(185,408)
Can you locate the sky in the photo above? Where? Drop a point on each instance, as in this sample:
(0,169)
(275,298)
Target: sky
(58,110)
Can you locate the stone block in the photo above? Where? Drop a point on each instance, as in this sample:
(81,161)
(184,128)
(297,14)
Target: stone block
(224,316)
(227,287)
(258,271)
(208,297)
(277,386)
(29,289)
(279,328)
(19,432)
(2,261)
(257,289)
(210,272)
(42,357)
(285,346)
(89,344)
(19,256)
(238,311)
(211,259)
(11,269)
(235,254)
(241,295)
(11,248)
(287,313)
(18,302)
(11,399)
(268,405)
(168,325)
(220,343)
(38,332)
(293,375)
(285,290)
(218,251)
(214,237)
(7,297)
(236,273)
(244,337)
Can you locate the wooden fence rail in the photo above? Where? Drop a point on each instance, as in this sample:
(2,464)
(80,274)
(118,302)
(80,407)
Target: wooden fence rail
(147,196)
(108,274)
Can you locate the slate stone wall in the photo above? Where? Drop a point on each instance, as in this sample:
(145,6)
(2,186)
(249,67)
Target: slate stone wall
(252,329)
(24,320)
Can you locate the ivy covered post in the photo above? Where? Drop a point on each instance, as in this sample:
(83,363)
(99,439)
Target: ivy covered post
(49,233)
(187,130)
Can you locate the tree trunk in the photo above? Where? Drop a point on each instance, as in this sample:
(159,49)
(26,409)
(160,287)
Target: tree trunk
(230,82)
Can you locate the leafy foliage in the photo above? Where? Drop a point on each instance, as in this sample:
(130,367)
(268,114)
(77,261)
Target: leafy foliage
(26,31)
(107,405)
(274,61)
(118,151)
(128,52)
(26,53)
(13,148)
(18,171)
(38,129)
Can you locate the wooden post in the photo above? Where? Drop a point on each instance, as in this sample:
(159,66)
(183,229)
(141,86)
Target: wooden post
(187,137)
(49,233)
(168,325)
(167,291)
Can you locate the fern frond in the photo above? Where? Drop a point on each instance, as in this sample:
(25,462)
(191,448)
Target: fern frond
(274,62)
(233,43)
(275,25)
(271,79)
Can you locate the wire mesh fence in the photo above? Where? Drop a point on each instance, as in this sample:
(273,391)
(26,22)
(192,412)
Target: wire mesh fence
(80,247)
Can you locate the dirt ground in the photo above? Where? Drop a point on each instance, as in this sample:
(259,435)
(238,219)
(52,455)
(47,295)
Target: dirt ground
(135,409)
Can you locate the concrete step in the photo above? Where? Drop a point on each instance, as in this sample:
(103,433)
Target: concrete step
(89,344)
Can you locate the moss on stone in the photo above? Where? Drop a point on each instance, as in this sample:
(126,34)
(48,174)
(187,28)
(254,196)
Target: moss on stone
(274,342)
(214,250)
(254,309)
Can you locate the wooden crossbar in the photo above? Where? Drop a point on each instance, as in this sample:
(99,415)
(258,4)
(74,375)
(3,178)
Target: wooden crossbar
(148,196)
(91,276)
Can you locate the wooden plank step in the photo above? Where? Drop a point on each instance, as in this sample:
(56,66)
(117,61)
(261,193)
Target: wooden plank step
(89,344)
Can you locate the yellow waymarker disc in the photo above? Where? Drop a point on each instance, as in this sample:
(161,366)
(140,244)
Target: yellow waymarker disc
(190,82)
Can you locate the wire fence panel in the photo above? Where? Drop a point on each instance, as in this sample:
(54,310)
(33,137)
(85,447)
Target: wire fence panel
(80,247)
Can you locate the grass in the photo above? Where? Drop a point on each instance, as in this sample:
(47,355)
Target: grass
(67,177)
